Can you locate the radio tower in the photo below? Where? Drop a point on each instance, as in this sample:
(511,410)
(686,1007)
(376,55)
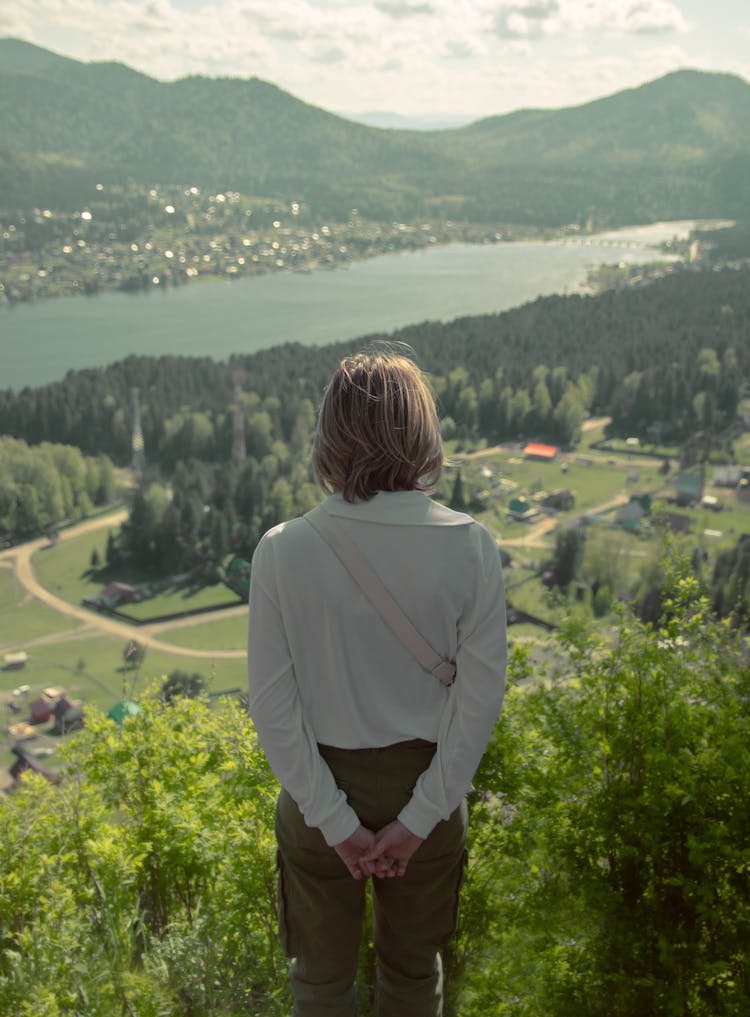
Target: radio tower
(238,439)
(138,461)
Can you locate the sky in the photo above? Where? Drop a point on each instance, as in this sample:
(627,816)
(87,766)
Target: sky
(454,58)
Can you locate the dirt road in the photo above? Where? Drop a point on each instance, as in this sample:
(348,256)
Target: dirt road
(20,557)
(536,533)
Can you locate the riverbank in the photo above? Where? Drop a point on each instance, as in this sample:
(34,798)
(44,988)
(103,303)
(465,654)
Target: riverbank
(78,259)
(44,339)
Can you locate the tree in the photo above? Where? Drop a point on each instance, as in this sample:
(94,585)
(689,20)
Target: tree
(568,555)
(180,683)
(612,800)
(112,554)
(133,654)
(458,499)
(730,583)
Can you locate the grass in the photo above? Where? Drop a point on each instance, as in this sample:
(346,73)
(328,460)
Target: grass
(90,669)
(64,569)
(182,600)
(219,634)
(593,484)
(24,618)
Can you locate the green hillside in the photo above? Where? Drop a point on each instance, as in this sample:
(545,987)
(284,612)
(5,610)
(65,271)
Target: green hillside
(676,147)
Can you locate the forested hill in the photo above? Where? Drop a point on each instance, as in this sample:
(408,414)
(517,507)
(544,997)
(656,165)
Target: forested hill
(674,148)
(672,356)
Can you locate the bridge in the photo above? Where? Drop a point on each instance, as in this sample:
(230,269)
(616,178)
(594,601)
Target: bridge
(604,242)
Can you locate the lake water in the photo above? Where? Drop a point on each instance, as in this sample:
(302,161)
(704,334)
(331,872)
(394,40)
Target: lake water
(40,342)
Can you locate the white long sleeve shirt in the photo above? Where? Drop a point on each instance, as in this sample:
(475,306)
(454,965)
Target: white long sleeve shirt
(324,668)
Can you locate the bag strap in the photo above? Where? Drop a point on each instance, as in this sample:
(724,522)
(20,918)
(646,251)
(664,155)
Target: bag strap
(360,570)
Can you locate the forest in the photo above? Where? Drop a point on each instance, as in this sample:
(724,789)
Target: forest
(672,356)
(47,484)
(668,362)
(68,125)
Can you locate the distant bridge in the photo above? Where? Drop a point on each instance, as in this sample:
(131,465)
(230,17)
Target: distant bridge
(602,242)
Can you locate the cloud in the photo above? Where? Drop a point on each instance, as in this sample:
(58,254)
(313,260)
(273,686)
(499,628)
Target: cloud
(327,54)
(474,57)
(653,18)
(536,19)
(403,8)
(460,49)
(521,20)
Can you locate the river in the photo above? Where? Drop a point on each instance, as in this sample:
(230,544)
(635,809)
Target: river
(40,342)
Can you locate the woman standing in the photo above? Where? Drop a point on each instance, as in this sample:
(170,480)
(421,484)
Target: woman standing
(374,754)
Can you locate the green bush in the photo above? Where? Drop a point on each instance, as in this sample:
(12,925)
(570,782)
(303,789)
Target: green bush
(143,883)
(611,830)
(608,869)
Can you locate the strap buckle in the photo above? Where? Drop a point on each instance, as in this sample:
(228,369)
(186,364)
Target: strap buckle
(445,672)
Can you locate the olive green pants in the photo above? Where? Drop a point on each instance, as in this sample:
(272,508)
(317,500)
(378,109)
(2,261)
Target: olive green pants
(321,906)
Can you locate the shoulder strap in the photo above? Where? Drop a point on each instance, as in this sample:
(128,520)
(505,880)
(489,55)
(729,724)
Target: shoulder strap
(360,570)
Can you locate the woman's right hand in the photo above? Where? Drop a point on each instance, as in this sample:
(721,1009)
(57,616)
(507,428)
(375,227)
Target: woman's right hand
(392,850)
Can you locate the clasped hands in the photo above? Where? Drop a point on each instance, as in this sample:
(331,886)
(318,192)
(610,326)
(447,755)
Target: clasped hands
(382,854)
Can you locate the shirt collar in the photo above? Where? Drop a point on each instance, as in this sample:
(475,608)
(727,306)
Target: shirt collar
(402,508)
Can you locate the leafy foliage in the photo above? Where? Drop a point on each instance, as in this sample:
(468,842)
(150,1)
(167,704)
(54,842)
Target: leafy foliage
(609,867)
(671,358)
(48,484)
(611,864)
(144,883)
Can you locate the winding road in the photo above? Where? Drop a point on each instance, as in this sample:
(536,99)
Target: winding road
(19,559)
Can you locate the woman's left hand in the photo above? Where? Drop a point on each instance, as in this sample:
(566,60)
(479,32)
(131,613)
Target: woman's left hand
(352,851)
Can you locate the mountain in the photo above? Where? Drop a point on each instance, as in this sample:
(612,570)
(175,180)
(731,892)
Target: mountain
(674,148)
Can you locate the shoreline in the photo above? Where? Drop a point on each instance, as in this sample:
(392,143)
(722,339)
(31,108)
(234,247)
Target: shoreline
(169,263)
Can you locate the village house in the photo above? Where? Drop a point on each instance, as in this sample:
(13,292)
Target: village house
(541,453)
(41,708)
(522,510)
(688,487)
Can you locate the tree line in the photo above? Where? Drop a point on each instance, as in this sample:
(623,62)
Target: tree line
(669,359)
(44,485)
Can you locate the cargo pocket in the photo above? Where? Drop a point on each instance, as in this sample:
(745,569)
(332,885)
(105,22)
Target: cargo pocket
(457,895)
(281,907)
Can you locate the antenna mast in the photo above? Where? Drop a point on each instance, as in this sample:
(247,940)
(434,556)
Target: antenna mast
(138,461)
(238,439)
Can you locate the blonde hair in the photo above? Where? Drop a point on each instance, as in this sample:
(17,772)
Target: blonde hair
(378,427)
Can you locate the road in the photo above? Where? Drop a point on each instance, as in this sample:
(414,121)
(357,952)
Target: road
(536,533)
(20,559)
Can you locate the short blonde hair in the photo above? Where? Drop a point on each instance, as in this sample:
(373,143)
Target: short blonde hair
(378,427)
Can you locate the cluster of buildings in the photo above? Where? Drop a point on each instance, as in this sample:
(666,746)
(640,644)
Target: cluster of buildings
(36,722)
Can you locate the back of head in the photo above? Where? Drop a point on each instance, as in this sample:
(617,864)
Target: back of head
(378,428)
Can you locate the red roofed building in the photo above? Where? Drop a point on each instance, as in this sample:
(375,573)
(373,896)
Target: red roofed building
(546,453)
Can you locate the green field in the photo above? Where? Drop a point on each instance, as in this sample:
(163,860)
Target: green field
(24,618)
(218,634)
(64,569)
(90,669)
(182,600)
(593,480)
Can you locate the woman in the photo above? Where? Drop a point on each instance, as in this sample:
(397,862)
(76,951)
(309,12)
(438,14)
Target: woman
(373,753)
